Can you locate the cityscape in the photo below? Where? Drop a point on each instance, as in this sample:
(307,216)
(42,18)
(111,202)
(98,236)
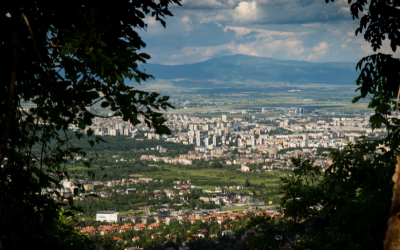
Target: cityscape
(254,141)
(192,125)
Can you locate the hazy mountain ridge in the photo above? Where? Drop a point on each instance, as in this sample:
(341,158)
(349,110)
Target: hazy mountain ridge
(244,67)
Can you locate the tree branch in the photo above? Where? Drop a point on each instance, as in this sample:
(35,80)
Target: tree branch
(11,94)
(38,54)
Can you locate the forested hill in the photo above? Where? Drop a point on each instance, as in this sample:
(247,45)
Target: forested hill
(246,68)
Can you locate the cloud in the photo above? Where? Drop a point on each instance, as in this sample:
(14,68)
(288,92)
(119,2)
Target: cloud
(276,11)
(207,4)
(264,46)
(246,12)
(186,23)
(321,48)
(311,24)
(259,33)
(282,29)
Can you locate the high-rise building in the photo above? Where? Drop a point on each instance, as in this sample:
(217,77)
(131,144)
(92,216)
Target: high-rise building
(240,142)
(286,122)
(215,140)
(126,132)
(224,118)
(226,131)
(198,141)
(207,141)
(113,132)
(336,122)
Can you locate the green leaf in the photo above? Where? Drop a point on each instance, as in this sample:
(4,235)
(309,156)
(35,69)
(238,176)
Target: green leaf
(105,104)
(81,124)
(70,201)
(119,77)
(89,132)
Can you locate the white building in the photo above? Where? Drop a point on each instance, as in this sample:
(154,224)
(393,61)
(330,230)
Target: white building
(215,140)
(245,168)
(207,141)
(109,216)
(224,118)
(198,141)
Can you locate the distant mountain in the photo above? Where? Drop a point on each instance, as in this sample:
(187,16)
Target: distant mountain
(243,67)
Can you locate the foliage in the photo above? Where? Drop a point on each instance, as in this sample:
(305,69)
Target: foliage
(216,164)
(274,235)
(341,208)
(64,66)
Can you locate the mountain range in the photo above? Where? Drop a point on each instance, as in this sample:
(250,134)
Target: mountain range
(242,68)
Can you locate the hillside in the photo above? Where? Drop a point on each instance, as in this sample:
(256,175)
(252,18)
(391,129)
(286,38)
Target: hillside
(242,68)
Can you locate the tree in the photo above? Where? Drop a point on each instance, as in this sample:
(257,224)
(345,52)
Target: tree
(194,229)
(247,183)
(216,164)
(65,60)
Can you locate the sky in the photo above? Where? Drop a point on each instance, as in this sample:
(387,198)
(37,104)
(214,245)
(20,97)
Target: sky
(307,30)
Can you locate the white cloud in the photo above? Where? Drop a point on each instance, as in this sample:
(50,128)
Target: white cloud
(344,10)
(153,26)
(317,51)
(242,31)
(246,12)
(186,23)
(292,49)
(321,48)
(313,25)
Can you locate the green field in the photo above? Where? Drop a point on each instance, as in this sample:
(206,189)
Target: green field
(218,177)
(208,178)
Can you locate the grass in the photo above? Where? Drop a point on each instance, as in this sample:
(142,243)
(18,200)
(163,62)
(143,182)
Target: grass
(136,175)
(210,178)
(136,212)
